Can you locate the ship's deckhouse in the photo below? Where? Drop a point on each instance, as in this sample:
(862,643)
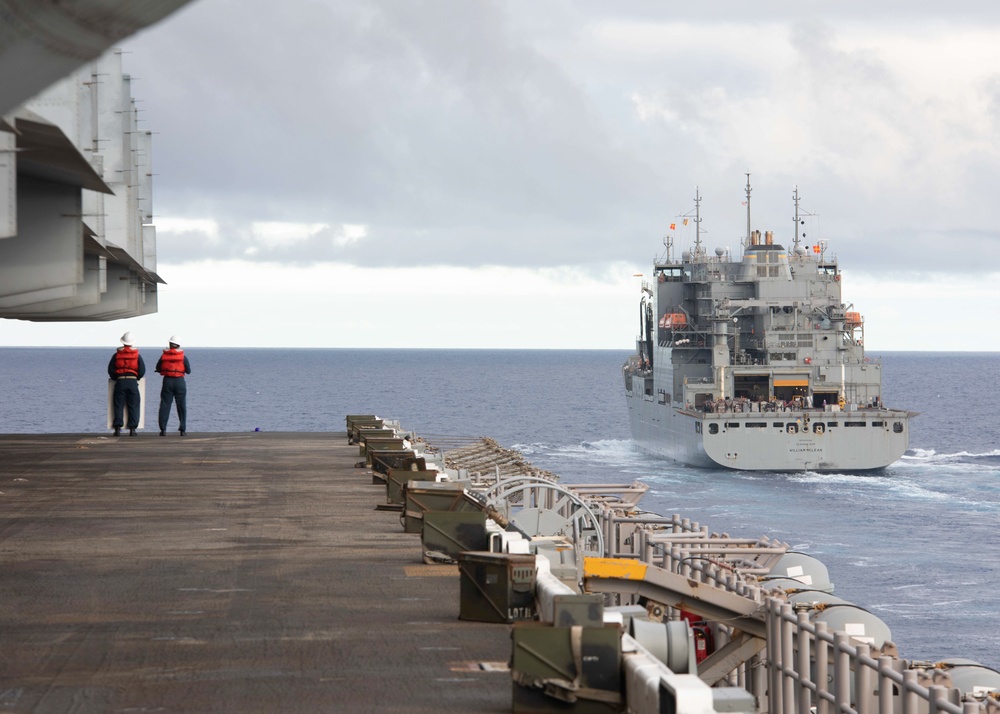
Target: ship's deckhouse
(764,261)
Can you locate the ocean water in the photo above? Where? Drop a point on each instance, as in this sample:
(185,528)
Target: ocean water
(917,544)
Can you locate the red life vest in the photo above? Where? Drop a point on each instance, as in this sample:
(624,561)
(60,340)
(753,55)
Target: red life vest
(127,361)
(172,363)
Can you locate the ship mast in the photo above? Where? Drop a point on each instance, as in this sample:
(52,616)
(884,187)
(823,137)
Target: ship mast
(795,228)
(748,212)
(796,236)
(697,222)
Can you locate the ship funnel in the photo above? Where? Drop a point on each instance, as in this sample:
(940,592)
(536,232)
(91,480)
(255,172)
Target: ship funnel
(769,237)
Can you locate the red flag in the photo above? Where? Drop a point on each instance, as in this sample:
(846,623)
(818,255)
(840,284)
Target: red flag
(673,226)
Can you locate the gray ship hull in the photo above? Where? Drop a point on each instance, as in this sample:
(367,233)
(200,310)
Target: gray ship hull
(804,440)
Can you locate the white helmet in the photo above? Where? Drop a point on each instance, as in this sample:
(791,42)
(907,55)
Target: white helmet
(175,340)
(127,339)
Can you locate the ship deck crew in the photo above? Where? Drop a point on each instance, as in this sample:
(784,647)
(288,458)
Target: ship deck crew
(126,368)
(173,365)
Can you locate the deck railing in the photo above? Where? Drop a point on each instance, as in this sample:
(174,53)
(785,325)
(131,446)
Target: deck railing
(789,663)
(804,668)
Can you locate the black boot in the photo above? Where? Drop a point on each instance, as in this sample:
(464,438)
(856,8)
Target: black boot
(183,433)
(118,431)
(131,432)
(162,432)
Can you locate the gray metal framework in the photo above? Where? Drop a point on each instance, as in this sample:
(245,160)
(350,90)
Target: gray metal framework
(777,635)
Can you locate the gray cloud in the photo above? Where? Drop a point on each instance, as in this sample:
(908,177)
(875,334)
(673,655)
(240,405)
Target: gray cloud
(431,120)
(472,133)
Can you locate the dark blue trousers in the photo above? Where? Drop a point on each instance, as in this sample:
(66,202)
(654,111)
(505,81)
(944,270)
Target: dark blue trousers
(126,392)
(173,388)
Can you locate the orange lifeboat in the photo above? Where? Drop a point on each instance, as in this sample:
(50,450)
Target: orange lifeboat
(852,319)
(674,321)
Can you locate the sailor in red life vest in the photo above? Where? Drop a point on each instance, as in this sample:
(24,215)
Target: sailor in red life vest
(126,368)
(173,365)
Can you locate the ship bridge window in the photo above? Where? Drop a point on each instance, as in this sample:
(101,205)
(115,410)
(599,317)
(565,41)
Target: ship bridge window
(756,424)
(779,424)
(732,425)
(855,423)
(897,427)
(878,423)
(832,423)
(713,428)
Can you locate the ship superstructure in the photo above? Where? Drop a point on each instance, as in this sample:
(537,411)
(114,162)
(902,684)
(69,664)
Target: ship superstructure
(757,363)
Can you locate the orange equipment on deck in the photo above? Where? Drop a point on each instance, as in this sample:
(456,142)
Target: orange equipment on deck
(674,321)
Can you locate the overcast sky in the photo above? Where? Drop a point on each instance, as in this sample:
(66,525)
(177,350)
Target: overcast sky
(394,173)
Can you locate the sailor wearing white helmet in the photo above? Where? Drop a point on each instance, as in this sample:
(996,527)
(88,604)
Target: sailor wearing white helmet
(173,365)
(126,368)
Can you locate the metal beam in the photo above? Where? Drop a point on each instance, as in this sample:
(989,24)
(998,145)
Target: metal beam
(615,575)
(714,668)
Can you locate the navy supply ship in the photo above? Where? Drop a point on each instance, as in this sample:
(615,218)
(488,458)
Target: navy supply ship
(757,363)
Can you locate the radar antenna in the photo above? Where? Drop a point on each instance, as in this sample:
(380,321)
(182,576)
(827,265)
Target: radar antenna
(668,244)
